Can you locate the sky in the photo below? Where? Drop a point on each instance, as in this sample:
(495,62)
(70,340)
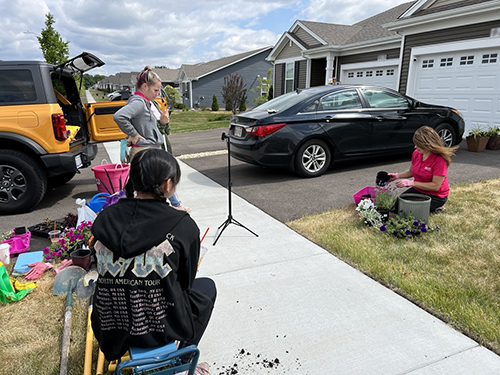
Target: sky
(128,34)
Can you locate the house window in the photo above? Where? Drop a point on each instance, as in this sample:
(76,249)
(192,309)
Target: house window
(379,73)
(290,67)
(428,63)
(359,74)
(466,60)
(390,72)
(490,58)
(447,61)
(350,75)
(369,73)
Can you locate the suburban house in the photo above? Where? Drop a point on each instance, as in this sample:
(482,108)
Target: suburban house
(438,51)
(126,81)
(199,82)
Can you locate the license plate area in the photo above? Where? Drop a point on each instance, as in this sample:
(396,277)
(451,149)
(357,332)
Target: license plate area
(238,131)
(78,161)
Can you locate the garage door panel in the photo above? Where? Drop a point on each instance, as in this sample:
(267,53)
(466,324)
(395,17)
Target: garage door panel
(467,80)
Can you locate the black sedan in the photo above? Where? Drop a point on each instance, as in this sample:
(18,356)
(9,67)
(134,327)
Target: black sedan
(306,130)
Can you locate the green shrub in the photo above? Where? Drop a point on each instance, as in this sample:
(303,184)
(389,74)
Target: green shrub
(215,104)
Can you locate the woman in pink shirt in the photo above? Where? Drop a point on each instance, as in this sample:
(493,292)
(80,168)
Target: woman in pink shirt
(429,166)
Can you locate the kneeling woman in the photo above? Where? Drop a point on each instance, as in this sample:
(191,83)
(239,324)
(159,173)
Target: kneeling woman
(429,167)
(147,256)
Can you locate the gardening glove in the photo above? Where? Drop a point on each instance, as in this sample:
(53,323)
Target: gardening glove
(65,263)
(405,183)
(393,176)
(37,270)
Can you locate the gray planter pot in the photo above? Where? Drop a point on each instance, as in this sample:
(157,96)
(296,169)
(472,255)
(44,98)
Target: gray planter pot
(407,204)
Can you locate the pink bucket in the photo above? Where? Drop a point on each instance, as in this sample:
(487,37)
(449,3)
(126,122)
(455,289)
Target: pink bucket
(111,178)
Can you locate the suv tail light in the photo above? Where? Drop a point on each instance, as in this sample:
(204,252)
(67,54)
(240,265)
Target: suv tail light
(263,130)
(59,125)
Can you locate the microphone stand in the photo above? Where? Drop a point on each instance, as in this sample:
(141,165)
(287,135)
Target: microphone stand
(230,219)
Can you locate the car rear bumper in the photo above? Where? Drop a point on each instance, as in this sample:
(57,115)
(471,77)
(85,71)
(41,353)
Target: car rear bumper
(261,154)
(71,161)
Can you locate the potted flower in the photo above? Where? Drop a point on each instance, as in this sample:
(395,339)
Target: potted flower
(406,226)
(477,139)
(368,213)
(494,141)
(385,199)
(72,238)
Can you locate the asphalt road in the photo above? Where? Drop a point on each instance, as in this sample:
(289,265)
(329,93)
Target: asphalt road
(279,193)
(286,197)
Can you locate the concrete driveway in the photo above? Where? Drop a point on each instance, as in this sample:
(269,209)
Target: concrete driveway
(286,197)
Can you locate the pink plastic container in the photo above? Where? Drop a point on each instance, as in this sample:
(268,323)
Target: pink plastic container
(368,192)
(19,243)
(111,178)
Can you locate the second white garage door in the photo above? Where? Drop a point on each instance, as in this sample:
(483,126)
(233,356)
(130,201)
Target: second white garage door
(468,80)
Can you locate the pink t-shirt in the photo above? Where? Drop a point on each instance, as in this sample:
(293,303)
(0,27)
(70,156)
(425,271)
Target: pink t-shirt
(424,170)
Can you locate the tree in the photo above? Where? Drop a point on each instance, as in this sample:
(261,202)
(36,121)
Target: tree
(264,86)
(215,104)
(233,92)
(172,95)
(55,50)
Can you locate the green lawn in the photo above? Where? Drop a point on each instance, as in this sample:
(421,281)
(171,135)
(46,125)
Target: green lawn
(453,273)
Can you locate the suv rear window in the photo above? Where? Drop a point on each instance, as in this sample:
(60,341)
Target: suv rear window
(16,86)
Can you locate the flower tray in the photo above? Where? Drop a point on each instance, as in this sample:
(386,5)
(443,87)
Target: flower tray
(42,230)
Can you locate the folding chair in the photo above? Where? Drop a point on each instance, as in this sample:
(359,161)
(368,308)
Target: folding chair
(162,360)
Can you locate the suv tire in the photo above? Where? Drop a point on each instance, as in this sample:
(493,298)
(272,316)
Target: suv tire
(23,182)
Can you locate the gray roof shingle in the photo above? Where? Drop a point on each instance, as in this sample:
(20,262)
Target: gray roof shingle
(198,70)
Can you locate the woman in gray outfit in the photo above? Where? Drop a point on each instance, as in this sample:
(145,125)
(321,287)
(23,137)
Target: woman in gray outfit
(138,119)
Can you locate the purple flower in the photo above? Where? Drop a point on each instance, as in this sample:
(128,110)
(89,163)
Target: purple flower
(46,250)
(437,228)
(408,232)
(48,257)
(423,229)
(383,228)
(416,223)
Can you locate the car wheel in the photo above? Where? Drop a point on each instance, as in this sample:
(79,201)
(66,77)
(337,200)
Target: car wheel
(60,179)
(23,182)
(312,158)
(447,134)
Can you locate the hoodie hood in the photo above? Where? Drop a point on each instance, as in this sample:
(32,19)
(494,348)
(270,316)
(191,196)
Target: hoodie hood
(121,227)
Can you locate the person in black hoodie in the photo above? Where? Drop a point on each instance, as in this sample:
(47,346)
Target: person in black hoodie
(147,257)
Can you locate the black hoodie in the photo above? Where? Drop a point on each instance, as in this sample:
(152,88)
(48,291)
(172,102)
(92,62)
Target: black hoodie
(147,256)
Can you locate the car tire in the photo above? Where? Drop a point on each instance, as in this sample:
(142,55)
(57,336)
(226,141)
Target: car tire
(447,134)
(312,158)
(60,179)
(23,182)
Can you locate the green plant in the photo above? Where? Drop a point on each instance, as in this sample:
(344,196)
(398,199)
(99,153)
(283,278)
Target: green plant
(477,131)
(493,131)
(368,213)
(70,239)
(406,226)
(6,235)
(215,104)
(385,198)
(172,95)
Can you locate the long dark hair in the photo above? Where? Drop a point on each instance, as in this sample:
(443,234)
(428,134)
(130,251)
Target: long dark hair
(149,169)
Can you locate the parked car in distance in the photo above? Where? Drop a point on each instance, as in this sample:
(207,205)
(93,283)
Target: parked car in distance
(306,130)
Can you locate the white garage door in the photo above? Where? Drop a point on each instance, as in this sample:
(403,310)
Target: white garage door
(468,80)
(378,76)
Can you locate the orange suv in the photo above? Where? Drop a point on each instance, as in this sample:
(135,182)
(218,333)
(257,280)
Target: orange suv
(46,133)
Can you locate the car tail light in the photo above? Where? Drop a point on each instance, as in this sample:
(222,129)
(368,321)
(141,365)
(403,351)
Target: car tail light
(59,125)
(263,130)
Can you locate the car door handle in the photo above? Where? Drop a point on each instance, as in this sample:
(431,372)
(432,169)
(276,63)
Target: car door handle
(328,118)
(380,118)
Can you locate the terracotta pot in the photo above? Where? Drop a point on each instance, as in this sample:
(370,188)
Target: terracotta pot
(477,144)
(494,143)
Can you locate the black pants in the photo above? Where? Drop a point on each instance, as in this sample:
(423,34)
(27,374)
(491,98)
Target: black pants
(436,202)
(208,288)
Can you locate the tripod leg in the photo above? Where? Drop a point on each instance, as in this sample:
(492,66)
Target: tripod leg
(224,225)
(241,225)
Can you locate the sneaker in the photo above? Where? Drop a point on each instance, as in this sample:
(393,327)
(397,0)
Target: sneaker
(181,207)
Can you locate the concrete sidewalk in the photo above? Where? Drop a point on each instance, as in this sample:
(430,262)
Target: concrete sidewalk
(286,306)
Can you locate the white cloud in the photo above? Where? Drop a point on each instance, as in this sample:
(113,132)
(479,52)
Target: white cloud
(129,34)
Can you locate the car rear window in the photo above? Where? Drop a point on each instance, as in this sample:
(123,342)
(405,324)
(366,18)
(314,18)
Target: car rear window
(285,101)
(16,86)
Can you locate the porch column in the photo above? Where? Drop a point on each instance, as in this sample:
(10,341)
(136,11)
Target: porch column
(330,58)
(191,94)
